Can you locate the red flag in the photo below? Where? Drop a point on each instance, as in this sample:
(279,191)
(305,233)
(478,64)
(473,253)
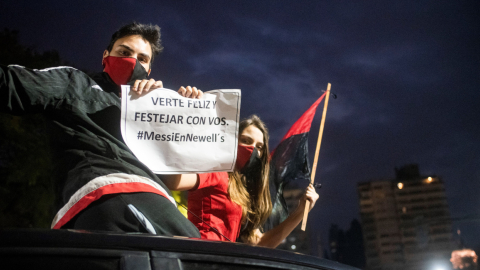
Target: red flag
(289,161)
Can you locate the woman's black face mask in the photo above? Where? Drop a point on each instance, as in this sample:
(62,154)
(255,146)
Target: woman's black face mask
(253,172)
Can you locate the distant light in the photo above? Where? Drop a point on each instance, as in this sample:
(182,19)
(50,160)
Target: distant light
(439,268)
(404,209)
(293,247)
(429,179)
(400,185)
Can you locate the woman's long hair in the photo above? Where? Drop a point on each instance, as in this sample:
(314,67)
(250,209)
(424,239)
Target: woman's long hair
(256,207)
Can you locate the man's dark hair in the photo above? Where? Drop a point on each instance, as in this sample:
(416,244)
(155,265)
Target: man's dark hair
(149,32)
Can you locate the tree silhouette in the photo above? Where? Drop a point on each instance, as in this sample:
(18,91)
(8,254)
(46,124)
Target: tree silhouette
(26,184)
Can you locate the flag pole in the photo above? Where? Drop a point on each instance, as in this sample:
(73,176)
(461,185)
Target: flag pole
(317,150)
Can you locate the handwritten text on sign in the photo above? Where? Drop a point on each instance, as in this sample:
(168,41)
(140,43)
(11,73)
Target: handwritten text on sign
(173,134)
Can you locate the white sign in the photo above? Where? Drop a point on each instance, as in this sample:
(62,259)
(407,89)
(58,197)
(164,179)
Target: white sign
(172,134)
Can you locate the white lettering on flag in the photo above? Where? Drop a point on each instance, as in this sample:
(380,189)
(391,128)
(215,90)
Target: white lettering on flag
(172,134)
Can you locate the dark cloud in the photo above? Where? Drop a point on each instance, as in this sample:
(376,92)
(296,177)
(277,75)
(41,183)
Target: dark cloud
(406,75)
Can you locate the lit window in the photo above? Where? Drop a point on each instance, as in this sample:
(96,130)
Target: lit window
(404,209)
(400,185)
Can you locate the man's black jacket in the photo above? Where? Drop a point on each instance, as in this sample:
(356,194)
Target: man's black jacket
(86,132)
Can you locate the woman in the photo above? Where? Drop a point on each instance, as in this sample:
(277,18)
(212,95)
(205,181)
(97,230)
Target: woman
(225,206)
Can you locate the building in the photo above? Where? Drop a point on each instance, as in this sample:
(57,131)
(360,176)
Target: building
(347,247)
(406,222)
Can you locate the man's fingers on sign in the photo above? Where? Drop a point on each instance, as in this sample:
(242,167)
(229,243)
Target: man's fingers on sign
(144,86)
(190,92)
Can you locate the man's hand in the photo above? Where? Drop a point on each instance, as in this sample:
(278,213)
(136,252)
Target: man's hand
(144,86)
(190,92)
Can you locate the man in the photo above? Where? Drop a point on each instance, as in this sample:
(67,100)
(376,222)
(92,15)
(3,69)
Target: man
(102,185)
(136,42)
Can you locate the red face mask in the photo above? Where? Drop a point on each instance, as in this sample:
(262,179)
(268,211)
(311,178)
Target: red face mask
(243,156)
(123,69)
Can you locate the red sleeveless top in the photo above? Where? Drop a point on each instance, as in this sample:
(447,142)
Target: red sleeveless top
(210,202)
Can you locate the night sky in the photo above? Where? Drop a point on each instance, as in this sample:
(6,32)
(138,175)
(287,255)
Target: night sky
(406,74)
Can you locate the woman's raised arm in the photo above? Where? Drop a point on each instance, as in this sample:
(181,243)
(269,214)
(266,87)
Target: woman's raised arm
(275,236)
